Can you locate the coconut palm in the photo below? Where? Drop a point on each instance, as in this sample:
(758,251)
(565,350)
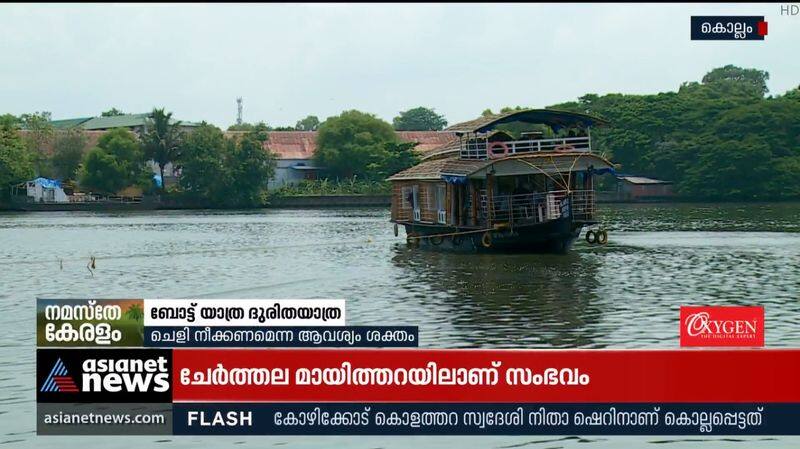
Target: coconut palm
(162,140)
(135,313)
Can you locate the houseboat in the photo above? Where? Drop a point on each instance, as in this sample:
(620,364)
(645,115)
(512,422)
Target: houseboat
(520,181)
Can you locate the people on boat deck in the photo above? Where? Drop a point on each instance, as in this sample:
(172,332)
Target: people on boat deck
(521,187)
(410,198)
(575,131)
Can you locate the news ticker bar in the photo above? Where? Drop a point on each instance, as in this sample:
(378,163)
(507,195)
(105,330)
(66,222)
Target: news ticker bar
(264,323)
(419,419)
(162,382)
(417,391)
(418,375)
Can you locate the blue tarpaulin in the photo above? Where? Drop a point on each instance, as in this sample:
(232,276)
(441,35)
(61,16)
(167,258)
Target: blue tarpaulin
(454,179)
(603,171)
(157,180)
(47,183)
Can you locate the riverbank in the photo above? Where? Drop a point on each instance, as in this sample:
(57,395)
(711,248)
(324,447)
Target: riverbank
(320,201)
(315,201)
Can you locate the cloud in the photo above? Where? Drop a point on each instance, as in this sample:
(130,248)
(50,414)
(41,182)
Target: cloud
(288,61)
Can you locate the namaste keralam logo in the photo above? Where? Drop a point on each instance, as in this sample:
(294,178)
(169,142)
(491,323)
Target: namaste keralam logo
(59,380)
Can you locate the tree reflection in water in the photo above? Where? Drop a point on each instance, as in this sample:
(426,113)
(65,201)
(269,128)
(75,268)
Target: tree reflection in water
(510,300)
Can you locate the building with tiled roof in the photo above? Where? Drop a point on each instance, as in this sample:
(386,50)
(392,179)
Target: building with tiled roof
(295,151)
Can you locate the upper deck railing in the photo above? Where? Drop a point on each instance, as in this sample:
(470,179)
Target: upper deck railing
(532,208)
(483,149)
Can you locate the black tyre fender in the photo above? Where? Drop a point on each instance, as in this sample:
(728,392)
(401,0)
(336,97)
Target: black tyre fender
(486,240)
(591,237)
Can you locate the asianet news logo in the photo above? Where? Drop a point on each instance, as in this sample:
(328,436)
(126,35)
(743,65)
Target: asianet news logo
(128,375)
(722,326)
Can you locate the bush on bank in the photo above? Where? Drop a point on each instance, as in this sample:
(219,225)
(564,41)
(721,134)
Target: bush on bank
(334,187)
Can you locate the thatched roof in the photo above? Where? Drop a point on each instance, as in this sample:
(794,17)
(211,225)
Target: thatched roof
(551,117)
(434,168)
(452,165)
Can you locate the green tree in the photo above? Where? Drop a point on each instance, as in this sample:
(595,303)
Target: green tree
(249,126)
(68,149)
(419,119)
(203,165)
(101,172)
(310,123)
(38,136)
(260,132)
(112,113)
(754,79)
(250,167)
(716,139)
(115,163)
(792,94)
(226,172)
(397,157)
(162,141)
(10,121)
(354,144)
(15,162)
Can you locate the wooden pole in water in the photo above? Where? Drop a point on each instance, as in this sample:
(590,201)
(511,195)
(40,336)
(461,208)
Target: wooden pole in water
(489,199)
(474,202)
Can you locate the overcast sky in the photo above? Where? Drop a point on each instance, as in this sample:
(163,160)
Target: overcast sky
(288,61)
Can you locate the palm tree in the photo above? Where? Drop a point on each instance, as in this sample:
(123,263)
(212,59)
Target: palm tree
(136,313)
(162,140)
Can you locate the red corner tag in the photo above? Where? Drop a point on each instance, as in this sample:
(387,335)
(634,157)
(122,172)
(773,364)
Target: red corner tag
(722,326)
(762,28)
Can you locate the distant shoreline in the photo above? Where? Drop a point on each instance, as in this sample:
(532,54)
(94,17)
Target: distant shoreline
(330,201)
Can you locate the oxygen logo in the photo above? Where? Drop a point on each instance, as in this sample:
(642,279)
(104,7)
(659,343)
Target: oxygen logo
(59,380)
(722,326)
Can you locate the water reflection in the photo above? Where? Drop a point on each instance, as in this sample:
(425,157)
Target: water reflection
(623,295)
(510,300)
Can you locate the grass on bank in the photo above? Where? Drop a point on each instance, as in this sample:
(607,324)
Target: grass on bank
(322,187)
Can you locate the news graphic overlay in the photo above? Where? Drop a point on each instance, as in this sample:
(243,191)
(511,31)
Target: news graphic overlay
(89,322)
(722,326)
(238,384)
(104,391)
(728,28)
(479,392)
(205,323)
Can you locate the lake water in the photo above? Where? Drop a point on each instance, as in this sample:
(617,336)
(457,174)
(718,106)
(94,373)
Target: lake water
(622,295)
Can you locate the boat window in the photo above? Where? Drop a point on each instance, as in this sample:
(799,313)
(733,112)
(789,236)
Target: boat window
(441,193)
(430,196)
(407,198)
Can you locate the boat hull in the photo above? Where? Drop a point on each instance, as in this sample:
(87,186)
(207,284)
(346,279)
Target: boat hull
(555,236)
